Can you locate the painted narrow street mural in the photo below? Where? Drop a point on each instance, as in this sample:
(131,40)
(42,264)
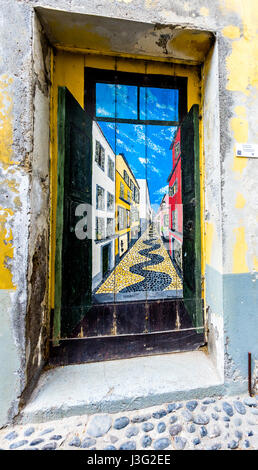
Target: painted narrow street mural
(128,237)
(134,257)
(146,270)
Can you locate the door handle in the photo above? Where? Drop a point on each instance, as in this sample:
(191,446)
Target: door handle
(189,225)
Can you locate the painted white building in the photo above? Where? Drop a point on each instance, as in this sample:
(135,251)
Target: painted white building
(146,213)
(162,218)
(103,206)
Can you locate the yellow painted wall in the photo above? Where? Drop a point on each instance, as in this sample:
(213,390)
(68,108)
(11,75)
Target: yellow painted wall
(6,162)
(68,70)
(242,78)
(6,249)
(120,167)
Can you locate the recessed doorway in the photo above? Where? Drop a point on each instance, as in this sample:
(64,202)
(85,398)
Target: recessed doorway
(131,163)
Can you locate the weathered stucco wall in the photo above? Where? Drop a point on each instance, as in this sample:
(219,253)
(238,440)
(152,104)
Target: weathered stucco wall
(37,318)
(15,146)
(231,183)
(239,203)
(213,210)
(24,162)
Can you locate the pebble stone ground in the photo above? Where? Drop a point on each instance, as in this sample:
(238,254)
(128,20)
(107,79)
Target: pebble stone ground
(221,423)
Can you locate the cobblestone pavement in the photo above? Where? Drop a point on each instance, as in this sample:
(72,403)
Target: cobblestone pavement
(208,424)
(146,266)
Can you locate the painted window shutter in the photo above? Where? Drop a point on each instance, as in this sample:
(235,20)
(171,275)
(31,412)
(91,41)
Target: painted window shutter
(73,273)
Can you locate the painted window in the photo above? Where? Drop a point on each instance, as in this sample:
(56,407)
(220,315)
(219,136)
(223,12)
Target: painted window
(100,155)
(110,227)
(110,201)
(136,195)
(166,220)
(100,228)
(177,150)
(111,169)
(122,222)
(122,190)
(177,254)
(100,197)
(128,218)
(173,189)
(174,220)
(126,177)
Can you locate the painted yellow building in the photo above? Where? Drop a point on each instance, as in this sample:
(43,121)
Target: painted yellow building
(127,206)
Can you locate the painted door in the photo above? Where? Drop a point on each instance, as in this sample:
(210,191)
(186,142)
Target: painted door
(105,260)
(126,297)
(73,239)
(191,250)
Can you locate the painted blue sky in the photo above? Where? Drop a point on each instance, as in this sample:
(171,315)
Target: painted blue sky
(145,147)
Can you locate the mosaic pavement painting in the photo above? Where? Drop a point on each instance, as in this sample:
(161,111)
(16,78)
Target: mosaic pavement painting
(146,271)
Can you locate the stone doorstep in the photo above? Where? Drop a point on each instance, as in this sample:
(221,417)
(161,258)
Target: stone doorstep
(121,385)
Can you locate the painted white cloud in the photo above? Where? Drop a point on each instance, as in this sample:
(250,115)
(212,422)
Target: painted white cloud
(102,111)
(169,136)
(125,147)
(110,125)
(155,170)
(162,190)
(140,134)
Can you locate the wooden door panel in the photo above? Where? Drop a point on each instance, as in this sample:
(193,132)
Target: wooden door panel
(73,284)
(72,351)
(125,293)
(191,251)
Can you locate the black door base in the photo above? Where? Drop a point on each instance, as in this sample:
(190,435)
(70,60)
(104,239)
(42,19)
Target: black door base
(83,350)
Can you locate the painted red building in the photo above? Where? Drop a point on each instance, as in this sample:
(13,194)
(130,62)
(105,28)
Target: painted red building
(175,203)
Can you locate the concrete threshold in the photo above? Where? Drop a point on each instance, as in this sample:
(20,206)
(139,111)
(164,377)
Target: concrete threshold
(121,385)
